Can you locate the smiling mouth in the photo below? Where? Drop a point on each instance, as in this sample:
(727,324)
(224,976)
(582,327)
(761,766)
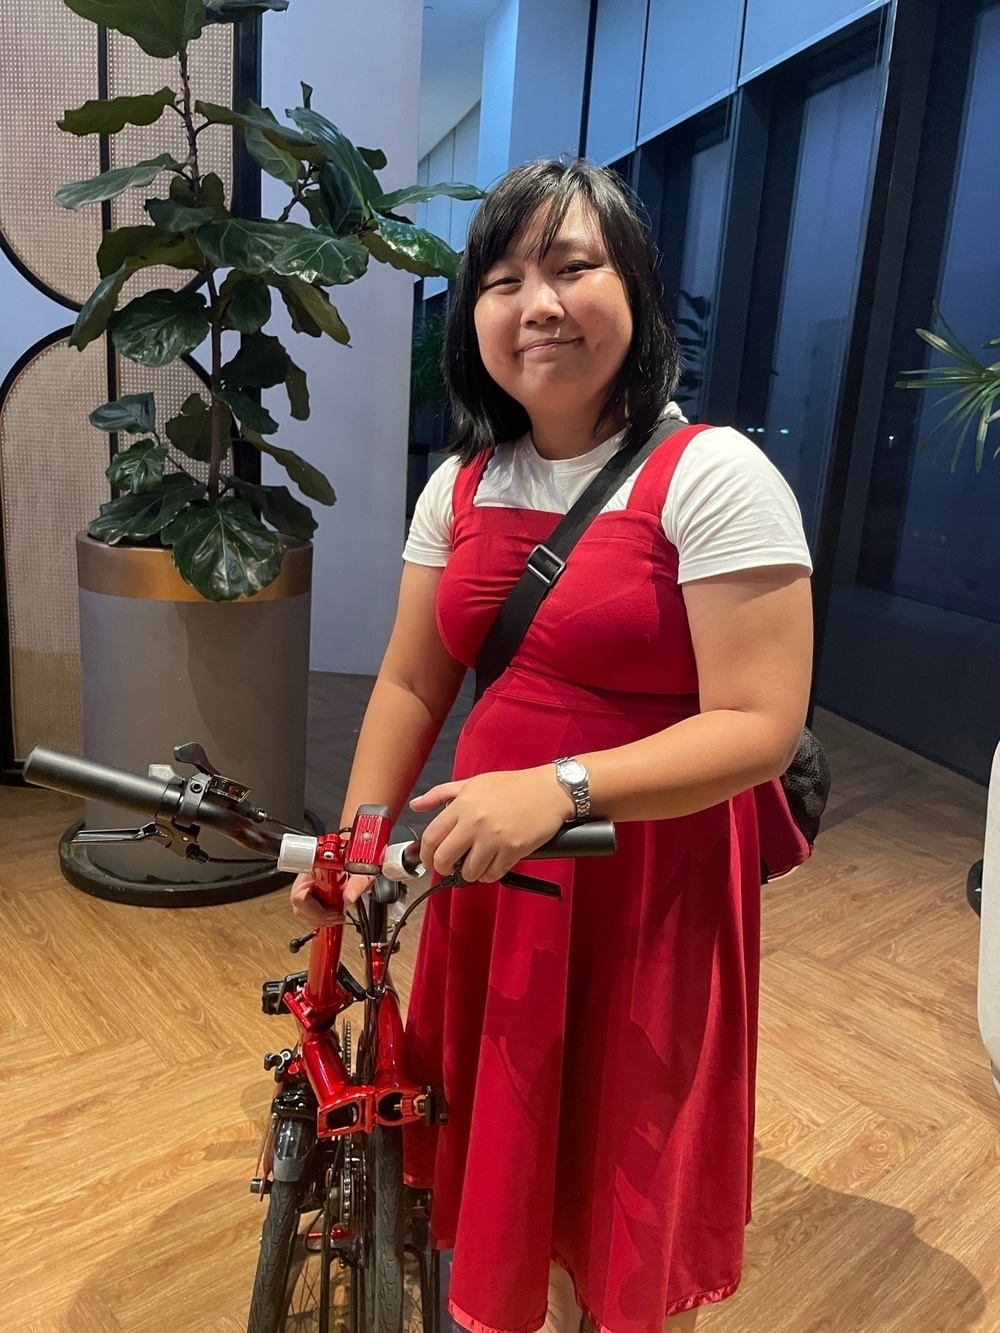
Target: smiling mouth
(551,342)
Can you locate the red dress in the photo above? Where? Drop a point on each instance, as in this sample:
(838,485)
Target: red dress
(597,1055)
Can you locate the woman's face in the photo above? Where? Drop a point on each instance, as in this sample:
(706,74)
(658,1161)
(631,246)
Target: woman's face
(553,331)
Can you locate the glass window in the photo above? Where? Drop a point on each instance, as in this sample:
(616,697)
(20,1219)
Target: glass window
(931,532)
(805,277)
(681,178)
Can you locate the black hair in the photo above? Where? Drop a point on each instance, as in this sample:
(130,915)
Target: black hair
(483,413)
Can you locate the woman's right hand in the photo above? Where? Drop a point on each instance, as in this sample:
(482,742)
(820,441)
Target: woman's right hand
(308,909)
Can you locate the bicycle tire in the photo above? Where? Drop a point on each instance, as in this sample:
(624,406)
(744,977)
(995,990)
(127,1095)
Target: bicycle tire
(269,1302)
(385,1225)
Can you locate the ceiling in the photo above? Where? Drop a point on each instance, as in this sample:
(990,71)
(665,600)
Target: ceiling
(452,64)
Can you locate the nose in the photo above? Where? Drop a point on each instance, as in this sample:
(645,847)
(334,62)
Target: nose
(541,303)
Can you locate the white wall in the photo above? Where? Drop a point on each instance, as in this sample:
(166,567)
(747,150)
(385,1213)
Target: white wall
(455,158)
(357,432)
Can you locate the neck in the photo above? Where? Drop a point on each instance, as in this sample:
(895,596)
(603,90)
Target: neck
(562,436)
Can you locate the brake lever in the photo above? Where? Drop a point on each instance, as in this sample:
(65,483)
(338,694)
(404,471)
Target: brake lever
(512,880)
(108,835)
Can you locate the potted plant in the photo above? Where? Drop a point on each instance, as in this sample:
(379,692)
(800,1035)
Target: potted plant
(194,580)
(975,388)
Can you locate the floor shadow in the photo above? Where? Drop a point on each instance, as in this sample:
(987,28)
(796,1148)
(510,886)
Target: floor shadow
(817,1261)
(821,1261)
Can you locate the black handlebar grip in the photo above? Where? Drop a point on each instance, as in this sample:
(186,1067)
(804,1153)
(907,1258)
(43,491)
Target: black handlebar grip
(81,777)
(594,837)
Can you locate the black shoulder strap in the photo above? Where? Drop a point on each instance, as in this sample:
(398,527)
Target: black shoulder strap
(547,562)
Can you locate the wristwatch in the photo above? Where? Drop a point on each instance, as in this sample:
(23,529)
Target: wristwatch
(571,775)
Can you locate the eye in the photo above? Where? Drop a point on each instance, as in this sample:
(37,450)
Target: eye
(505,280)
(578,266)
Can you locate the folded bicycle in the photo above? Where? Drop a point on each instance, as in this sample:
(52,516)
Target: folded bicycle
(340,1220)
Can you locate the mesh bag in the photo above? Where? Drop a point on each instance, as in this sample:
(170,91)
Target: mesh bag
(807,785)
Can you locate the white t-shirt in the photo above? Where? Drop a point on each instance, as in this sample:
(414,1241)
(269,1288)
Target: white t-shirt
(728,507)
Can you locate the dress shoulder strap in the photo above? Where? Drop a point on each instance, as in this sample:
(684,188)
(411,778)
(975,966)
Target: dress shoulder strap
(651,485)
(467,482)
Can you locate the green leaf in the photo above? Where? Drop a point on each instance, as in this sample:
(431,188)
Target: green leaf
(231,11)
(342,212)
(191,430)
(251,416)
(260,363)
(254,117)
(100,304)
(110,184)
(132,413)
(307,93)
(339,149)
(411,248)
(162,28)
(224,550)
(285,248)
(138,468)
(312,202)
(298,391)
(171,216)
(419,194)
(272,159)
(375,158)
(108,116)
(249,302)
(140,516)
(280,508)
(311,311)
(160,326)
(309,479)
(149,245)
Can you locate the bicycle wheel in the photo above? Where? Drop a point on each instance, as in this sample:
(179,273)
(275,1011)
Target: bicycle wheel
(269,1303)
(385,1226)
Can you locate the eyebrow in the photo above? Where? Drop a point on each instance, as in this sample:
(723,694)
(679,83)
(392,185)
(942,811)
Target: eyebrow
(561,243)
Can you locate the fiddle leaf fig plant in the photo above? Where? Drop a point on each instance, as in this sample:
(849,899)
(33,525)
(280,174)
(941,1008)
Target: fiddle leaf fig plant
(226,532)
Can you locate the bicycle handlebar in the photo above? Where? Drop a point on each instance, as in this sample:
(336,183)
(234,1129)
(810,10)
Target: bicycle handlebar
(218,803)
(82,777)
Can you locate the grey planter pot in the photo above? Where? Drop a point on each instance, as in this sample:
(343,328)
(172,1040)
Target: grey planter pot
(162,666)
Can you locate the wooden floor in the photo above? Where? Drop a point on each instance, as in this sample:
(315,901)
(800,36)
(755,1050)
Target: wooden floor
(133,1097)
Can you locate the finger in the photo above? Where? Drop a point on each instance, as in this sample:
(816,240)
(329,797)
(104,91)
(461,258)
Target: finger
(477,862)
(439,795)
(356,886)
(311,912)
(497,868)
(434,834)
(451,847)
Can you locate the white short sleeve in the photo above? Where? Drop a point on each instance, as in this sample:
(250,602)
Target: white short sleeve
(729,508)
(429,540)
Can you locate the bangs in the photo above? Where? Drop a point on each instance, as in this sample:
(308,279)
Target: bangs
(484,414)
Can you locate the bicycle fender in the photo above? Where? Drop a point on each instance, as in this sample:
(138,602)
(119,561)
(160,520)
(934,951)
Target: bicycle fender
(294,1141)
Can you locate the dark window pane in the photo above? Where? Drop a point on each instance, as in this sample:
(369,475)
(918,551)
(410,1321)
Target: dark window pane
(796,393)
(943,548)
(681,177)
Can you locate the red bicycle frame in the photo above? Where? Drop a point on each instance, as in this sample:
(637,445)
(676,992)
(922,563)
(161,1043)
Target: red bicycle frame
(391,1097)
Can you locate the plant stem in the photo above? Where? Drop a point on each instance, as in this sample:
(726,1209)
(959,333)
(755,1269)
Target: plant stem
(192,136)
(297,193)
(215,321)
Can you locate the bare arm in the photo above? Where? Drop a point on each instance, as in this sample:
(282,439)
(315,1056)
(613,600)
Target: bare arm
(415,689)
(752,635)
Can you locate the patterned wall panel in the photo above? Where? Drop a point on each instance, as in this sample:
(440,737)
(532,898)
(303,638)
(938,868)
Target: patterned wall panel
(52,463)
(48,62)
(51,460)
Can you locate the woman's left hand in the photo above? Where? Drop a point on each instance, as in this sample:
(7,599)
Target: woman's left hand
(493,820)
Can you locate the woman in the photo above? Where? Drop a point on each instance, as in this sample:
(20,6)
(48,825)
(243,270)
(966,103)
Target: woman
(597,1055)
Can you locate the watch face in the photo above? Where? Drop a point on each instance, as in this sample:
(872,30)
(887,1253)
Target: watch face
(571,770)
